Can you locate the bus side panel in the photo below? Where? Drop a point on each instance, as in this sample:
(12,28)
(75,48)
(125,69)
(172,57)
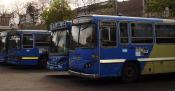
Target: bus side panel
(162,59)
(110,64)
(110,69)
(112,60)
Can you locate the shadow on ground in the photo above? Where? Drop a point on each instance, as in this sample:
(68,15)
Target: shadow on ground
(161,78)
(23,68)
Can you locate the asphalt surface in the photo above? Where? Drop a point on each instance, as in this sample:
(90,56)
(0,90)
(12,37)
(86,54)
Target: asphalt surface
(33,79)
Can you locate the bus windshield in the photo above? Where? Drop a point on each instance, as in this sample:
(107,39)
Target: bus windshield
(83,36)
(59,43)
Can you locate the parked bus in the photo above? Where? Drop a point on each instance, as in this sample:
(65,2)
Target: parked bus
(27,47)
(58,53)
(120,46)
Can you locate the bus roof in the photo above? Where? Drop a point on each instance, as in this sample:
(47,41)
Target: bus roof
(131,19)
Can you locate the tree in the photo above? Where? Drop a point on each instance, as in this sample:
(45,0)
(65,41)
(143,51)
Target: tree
(92,4)
(159,6)
(113,4)
(32,11)
(59,10)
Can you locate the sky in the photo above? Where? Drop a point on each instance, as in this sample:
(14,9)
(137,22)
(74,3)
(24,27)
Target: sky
(10,5)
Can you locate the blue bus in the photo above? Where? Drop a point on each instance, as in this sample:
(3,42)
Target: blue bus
(58,52)
(27,47)
(121,46)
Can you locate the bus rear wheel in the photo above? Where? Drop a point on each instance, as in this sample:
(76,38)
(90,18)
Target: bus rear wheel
(130,72)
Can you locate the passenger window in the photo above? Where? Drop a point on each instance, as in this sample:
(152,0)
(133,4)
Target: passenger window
(142,33)
(165,33)
(123,32)
(108,34)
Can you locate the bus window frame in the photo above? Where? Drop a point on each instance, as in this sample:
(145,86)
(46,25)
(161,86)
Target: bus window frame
(161,37)
(128,29)
(131,37)
(33,45)
(100,36)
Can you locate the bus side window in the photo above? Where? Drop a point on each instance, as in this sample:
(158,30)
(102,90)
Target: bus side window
(142,33)
(123,32)
(108,34)
(165,33)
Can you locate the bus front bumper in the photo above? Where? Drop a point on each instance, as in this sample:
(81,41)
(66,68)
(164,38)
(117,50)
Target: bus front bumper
(79,74)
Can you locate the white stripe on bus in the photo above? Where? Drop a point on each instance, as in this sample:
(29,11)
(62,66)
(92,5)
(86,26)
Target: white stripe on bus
(156,59)
(113,61)
(140,60)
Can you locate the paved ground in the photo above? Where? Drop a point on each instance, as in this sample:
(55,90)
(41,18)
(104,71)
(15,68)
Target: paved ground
(33,79)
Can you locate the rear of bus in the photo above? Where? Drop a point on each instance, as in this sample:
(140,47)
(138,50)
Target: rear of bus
(28,47)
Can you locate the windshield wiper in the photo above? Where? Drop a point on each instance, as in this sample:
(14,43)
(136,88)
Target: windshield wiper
(85,27)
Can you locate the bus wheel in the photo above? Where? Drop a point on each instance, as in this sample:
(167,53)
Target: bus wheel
(130,72)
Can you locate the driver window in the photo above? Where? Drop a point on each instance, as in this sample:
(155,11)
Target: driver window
(108,34)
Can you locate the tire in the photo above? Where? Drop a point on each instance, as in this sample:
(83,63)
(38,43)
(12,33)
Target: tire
(130,72)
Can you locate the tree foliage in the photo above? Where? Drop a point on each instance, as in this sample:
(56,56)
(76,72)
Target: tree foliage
(59,10)
(158,6)
(32,11)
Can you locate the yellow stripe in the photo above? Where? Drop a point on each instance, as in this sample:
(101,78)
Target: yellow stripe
(29,58)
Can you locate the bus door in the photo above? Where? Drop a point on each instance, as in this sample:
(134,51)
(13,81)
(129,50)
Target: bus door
(108,47)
